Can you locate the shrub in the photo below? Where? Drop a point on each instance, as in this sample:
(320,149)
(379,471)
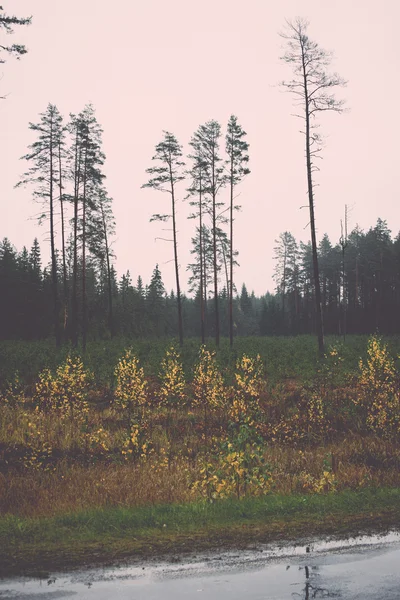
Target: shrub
(249,383)
(378,390)
(172,379)
(131,388)
(66,391)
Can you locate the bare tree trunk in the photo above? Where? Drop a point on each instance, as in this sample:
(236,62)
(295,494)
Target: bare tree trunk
(356,290)
(230,290)
(205,290)
(178,288)
(110,305)
(52,244)
(318,309)
(225,264)
(344,295)
(343,242)
(284,289)
(84,300)
(339,306)
(75,261)
(214,221)
(202,316)
(65,285)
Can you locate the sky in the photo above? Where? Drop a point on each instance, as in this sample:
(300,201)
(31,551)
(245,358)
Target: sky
(153,65)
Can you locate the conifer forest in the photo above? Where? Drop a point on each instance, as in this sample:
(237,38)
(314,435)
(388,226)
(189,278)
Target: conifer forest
(360,287)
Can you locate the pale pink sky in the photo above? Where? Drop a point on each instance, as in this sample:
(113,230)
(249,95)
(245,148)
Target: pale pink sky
(157,64)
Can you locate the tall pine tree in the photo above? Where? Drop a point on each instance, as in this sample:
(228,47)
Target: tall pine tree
(167,173)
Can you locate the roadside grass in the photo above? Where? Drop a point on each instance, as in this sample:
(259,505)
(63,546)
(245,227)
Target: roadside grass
(106,534)
(141,520)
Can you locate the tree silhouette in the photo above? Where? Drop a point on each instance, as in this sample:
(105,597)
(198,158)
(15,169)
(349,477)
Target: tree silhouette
(312,86)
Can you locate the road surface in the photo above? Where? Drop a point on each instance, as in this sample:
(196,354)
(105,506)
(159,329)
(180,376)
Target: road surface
(366,568)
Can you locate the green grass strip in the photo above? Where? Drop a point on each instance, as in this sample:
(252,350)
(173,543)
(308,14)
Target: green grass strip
(93,525)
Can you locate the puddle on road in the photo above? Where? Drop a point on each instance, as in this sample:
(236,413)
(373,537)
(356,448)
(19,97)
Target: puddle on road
(361,567)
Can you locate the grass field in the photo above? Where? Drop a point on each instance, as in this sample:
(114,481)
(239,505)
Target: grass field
(129,442)
(284,357)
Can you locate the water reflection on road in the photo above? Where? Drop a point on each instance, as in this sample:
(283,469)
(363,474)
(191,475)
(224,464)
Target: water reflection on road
(363,568)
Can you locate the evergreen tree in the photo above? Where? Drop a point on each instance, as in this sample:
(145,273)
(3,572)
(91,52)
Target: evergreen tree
(9,290)
(206,140)
(286,272)
(7,24)
(200,202)
(238,158)
(245,302)
(87,160)
(100,230)
(43,175)
(155,300)
(35,259)
(165,176)
(62,157)
(329,260)
(313,87)
(141,319)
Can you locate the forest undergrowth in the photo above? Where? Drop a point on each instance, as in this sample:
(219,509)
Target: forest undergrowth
(206,431)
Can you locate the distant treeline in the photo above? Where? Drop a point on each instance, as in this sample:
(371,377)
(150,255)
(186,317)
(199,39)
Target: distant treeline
(360,286)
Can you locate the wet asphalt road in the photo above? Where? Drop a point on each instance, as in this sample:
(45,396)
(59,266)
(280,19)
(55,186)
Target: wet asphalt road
(358,569)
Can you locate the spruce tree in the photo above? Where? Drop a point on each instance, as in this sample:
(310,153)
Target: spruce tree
(155,300)
(35,258)
(9,291)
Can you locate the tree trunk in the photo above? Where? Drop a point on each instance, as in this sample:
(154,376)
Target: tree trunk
(339,305)
(202,320)
(318,309)
(178,289)
(84,302)
(214,219)
(205,290)
(230,290)
(356,286)
(75,261)
(110,306)
(63,240)
(52,244)
(284,289)
(225,264)
(344,296)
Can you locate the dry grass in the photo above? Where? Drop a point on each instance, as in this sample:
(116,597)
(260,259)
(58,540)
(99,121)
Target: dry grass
(78,473)
(71,488)
(76,488)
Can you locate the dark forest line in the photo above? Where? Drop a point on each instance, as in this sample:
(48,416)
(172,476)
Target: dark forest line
(360,288)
